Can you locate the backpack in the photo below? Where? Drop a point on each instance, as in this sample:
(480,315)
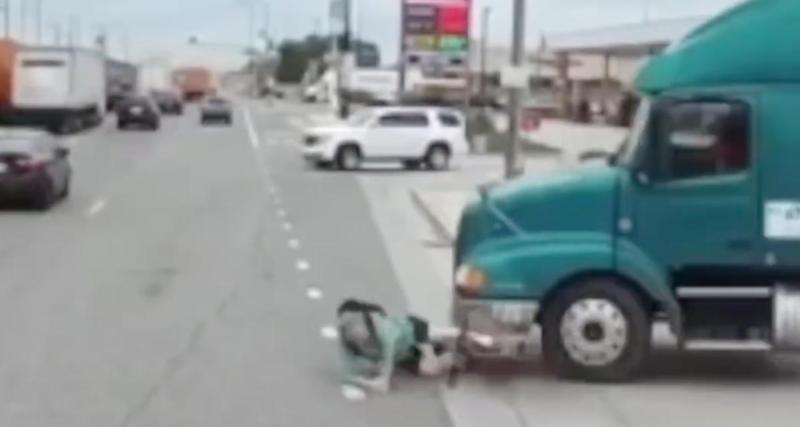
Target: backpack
(367,311)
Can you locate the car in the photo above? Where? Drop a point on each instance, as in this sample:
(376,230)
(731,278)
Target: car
(34,168)
(168,102)
(138,110)
(415,136)
(216,109)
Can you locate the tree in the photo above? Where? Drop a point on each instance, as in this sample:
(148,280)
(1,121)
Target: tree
(297,54)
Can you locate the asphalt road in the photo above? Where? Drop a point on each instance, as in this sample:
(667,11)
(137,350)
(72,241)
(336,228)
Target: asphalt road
(185,283)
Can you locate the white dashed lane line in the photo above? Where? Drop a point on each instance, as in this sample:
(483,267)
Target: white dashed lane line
(314,293)
(96,207)
(287,226)
(303,265)
(294,244)
(329,332)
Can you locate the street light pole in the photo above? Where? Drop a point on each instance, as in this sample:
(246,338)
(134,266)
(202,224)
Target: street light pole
(345,51)
(7,18)
(513,159)
(485,14)
(23,18)
(39,21)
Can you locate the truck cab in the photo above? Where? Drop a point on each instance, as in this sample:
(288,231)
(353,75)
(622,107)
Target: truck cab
(695,221)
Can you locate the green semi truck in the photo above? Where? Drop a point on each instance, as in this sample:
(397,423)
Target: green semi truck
(695,222)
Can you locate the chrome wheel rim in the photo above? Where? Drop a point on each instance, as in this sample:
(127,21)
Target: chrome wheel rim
(594,332)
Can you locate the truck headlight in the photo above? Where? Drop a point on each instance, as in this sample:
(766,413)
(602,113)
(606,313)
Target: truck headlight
(470,281)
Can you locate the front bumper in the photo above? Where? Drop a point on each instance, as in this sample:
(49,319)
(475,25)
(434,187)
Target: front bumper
(317,153)
(509,323)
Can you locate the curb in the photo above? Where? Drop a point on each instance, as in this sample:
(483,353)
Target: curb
(439,229)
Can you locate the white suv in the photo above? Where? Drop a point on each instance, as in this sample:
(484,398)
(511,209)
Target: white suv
(416,136)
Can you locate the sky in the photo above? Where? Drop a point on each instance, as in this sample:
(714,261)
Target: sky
(159,30)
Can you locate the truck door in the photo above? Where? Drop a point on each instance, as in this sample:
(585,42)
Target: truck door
(695,203)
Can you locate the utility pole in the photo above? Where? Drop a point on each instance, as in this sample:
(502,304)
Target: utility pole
(485,14)
(39,21)
(345,52)
(7,18)
(513,161)
(23,19)
(57,34)
(401,62)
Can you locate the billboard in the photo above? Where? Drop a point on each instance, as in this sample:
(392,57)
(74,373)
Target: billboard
(436,26)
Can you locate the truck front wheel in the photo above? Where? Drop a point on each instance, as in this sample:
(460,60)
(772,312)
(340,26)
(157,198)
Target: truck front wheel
(596,330)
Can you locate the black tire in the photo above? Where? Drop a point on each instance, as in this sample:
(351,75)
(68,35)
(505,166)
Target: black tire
(411,164)
(438,157)
(631,354)
(45,196)
(155,126)
(348,157)
(121,125)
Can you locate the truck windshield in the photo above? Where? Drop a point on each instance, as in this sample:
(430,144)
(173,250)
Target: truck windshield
(627,152)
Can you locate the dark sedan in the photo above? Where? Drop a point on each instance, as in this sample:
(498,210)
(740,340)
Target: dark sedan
(138,111)
(216,110)
(34,168)
(168,102)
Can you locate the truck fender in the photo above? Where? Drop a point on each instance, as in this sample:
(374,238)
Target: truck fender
(634,264)
(535,267)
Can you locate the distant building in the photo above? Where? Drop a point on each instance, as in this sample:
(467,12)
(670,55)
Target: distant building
(596,64)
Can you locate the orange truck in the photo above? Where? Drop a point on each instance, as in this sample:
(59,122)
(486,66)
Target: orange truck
(8,54)
(195,82)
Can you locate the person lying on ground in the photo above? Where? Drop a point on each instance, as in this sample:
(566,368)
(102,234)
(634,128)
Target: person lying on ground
(373,344)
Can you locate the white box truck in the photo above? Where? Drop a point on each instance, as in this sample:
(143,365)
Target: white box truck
(155,77)
(58,88)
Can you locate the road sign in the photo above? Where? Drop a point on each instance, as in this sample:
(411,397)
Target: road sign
(436,25)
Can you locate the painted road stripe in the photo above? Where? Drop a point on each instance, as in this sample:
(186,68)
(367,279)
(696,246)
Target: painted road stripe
(287,226)
(303,265)
(314,294)
(353,393)
(294,243)
(251,130)
(329,332)
(96,207)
